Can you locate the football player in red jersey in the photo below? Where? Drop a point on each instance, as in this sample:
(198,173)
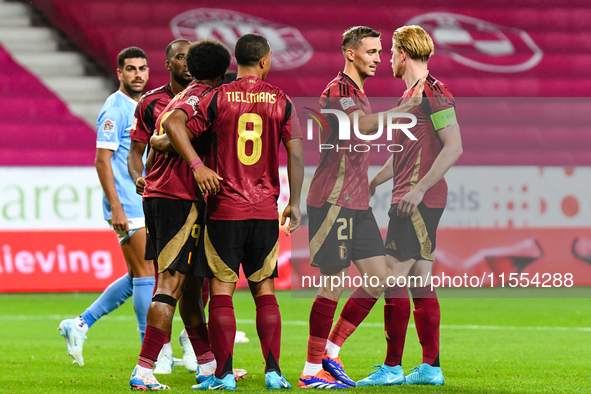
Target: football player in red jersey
(341,223)
(175,216)
(147,112)
(151,105)
(419,196)
(248,119)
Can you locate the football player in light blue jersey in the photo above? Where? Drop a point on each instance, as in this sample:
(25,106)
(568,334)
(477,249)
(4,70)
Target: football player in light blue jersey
(113,129)
(122,206)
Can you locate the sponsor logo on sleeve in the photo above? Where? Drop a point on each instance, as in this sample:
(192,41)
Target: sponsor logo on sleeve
(347,102)
(134,124)
(109,126)
(193,101)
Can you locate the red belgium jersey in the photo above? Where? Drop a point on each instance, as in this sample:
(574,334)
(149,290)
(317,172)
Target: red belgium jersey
(147,112)
(248,118)
(341,176)
(417,157)
(171,176)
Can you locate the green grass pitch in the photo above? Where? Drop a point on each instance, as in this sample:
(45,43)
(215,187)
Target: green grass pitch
(488,345)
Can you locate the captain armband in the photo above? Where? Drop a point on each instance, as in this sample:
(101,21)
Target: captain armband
(444,118)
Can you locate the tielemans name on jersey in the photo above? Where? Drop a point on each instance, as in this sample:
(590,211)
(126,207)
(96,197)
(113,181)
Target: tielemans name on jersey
(246,97)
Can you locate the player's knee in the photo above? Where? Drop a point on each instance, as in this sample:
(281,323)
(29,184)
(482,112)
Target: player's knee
(375,288)
(330,292)
(264,287)
(165,299)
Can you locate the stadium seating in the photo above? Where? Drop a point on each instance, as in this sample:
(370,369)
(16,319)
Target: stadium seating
(38,128)
(554,38)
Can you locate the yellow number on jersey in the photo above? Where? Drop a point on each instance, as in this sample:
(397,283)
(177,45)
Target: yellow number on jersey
(253,135)
(161,129)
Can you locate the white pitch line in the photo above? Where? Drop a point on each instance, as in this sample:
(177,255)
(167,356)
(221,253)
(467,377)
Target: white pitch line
(305,323)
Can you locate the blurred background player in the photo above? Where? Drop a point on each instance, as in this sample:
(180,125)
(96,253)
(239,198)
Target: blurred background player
(419,196)
(242,220)
(175,217)
(342,225)
(122,206)
(147,112)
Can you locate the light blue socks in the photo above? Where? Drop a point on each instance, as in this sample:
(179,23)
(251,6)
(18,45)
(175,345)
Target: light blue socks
(112,298)
(143,288)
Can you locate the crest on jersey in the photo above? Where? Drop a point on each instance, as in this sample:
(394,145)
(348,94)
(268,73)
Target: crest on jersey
(480,44)
(343,251)
(290,48)
(347,102)
(109,126)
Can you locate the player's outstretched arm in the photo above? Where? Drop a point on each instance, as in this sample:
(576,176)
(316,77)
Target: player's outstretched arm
(175,126)
(452,150)
(295,173)
(102,162)
(385,174)
(369,124)
(135,165)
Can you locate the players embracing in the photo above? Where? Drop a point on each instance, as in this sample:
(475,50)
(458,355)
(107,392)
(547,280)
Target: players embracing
(148,110)
(175,216)
(248,119)
(419,197)
(237,130)
(342,226)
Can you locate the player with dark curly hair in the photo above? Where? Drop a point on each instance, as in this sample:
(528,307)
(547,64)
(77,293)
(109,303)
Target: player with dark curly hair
(175,215)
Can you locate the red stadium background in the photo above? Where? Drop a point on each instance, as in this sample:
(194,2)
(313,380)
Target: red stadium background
(539,51)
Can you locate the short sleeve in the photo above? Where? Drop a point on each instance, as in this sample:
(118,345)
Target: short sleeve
(291,126)
(202,114)
(189,102)
(110,128)
(440,105)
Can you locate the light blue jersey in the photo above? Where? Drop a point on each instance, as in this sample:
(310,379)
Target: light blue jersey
(113,129)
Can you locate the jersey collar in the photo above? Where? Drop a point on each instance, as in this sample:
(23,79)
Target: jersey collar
(127,97)
(342,74)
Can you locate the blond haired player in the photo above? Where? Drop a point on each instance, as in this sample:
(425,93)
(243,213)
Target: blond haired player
(342,227)
(419,196)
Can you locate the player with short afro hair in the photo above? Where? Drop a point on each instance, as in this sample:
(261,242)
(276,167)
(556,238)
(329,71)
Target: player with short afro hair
(208,60)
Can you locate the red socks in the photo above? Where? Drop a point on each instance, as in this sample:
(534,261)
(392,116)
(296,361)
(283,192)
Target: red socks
(427,319)
(321,319)
(396,316)
(355,310)
(205,293)
(200,342)
(268,320)
(222,328)
(154,339)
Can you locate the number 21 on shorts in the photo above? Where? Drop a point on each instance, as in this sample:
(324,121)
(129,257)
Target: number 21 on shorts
(343,227)
(253,135)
